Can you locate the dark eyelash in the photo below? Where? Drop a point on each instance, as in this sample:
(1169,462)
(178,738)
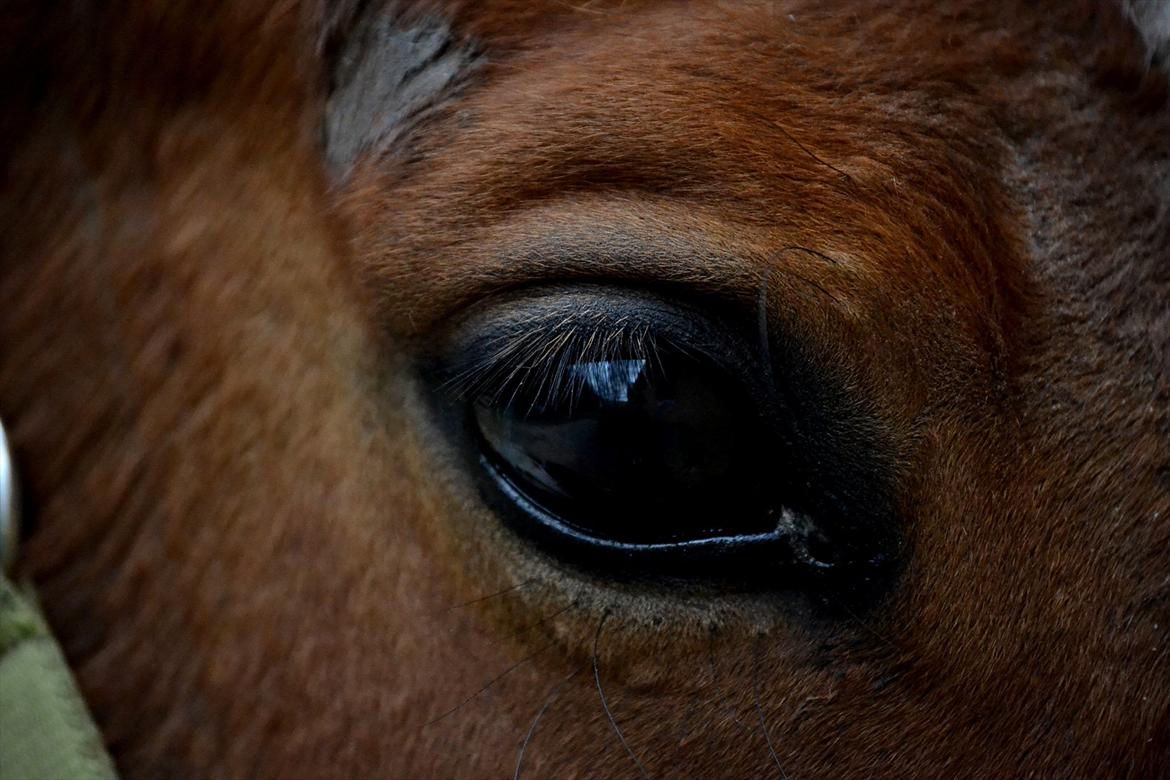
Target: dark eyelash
(532,362)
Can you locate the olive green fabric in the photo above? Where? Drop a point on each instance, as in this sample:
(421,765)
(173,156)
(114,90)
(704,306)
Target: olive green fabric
(45,731)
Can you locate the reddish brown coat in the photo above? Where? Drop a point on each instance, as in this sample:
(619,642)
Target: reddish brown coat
(249,534)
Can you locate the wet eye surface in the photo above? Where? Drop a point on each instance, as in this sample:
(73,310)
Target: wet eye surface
(637,450)
(622,432)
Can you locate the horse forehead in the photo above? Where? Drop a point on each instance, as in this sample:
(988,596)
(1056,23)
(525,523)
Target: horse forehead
(738,118)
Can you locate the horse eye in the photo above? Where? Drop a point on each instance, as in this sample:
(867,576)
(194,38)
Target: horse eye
(618,430)
(636,451)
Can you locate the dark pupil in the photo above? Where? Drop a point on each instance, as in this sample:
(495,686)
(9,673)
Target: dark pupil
(637,451)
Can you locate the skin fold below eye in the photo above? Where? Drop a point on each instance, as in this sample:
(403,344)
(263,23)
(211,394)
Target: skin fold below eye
(624,432)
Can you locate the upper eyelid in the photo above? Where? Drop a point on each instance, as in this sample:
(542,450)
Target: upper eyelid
(614,242)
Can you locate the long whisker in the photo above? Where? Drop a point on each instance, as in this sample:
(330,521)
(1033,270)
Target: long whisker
(718,694)
(807,250)
(762,324)
(883,640)
(605,704)
(498,593)
(552,697)
(762,300)
(529,626)
(814,284)
(492,682)
(760,708)
(793,139)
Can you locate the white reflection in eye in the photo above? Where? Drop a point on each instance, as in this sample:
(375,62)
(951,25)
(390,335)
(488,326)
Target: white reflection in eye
(610,380)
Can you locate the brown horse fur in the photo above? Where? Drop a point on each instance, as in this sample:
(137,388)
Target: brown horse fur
(228,237)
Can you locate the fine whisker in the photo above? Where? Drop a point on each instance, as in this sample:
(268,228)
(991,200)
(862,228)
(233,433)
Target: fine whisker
(529,626)
(480,599)
(796,142)
(491,682)
(549,700)
(760,708)
(605,703)
(813,284)
(806,250)
(762,325)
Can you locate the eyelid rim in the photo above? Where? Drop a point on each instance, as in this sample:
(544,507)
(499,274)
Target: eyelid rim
(764,553)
